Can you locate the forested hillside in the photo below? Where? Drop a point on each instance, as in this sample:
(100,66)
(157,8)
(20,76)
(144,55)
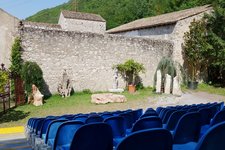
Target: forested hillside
(117,12)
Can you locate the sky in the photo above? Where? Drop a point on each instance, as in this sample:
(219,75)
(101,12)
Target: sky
(25,8)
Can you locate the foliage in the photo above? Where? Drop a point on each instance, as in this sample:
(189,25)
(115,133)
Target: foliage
(32,74)
(86,91)
(196,47)
(16,59)
(216,38)
(4,78)
(166,66)
(130,71)
(123,11)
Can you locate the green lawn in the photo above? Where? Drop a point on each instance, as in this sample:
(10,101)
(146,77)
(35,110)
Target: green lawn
(211,89)
(77,103)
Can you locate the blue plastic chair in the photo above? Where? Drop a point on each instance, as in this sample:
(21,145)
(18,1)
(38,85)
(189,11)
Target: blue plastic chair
(94,118)
(52,130)
(45,127)
(151,139)
(206,116)
(219,117)
(147,123)
(128,119)
(212,140)
(167,115)
(96,136)
(118,128)
(158,110)
(173,119)
(188,128)
(65,133)
(106,115)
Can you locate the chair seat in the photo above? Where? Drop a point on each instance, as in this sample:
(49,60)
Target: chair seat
(187,146)
(164,126)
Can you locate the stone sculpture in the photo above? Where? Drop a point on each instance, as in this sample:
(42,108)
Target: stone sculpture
(107,98)
(176,87)
(65,87)
(36,97)
(116,83)
(158,81)
(167,84)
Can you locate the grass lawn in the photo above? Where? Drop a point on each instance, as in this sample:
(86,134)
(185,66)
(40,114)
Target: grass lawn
(77,103)
(211,89)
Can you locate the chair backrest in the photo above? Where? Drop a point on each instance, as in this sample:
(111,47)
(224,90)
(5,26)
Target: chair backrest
(214,109)
(206,115)
(158,110)
(65,133)
(219,117)
(154,139)
(38,126)
(93,136)
(213,139)
(82,118)
(195,109)
(118,126)
(45,126)
(137,113)
(167,115)
(147,123)
(52,129)
(173,119)
(149,114)
(94,118)
(106,115)
(188,128)
(128,119)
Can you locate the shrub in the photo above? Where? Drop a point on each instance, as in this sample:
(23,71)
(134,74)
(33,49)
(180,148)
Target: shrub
(16,59)
(32,74)
(4,78)
(130,71)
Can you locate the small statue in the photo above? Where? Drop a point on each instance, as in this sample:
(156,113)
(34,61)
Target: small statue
(116,83)
(65,87)
(36,97)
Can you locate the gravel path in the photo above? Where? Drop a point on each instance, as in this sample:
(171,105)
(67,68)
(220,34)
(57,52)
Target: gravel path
(188,98)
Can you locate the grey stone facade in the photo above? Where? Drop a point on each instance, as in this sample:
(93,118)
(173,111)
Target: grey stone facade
(89,57)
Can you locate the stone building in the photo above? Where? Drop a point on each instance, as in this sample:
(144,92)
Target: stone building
(83,22)
(79,44)
(170,26)
(8,30)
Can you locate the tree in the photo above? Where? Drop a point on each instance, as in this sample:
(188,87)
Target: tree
(16,58)
(196,48)
(32,74)
(216,38)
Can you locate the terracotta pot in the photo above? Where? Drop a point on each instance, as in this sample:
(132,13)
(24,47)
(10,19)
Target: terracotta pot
(131,88)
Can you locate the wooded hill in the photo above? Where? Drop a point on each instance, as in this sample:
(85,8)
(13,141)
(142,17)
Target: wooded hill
(117,12)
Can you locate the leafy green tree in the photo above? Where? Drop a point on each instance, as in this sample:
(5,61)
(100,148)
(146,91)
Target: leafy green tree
(196,48)
(4,78)
(216,36)
(16,58)
(32,74)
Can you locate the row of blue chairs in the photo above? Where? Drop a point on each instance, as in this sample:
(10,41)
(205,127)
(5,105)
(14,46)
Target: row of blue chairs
(184,126)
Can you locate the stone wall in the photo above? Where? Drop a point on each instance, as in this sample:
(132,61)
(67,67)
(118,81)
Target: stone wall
(82,25)
(89,57)
(8,31)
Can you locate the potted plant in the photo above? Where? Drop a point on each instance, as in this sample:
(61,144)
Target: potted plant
(130,72)
(195,51)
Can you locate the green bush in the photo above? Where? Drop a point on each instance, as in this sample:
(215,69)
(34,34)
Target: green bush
(86,91)
(16,59)
(32,74)
(4,78)
(130,71)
